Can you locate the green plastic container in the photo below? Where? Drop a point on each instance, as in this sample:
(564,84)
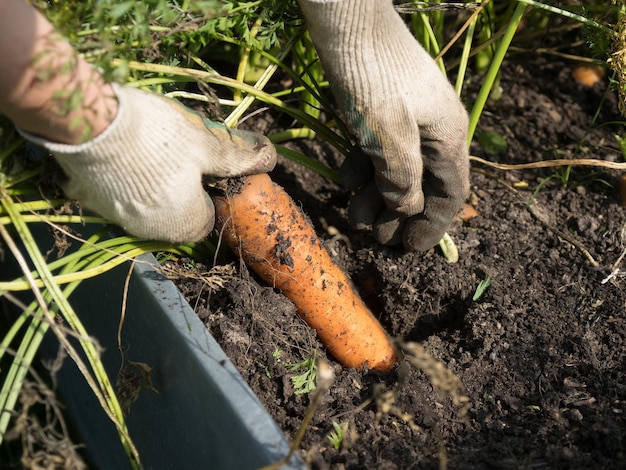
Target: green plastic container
(202,415)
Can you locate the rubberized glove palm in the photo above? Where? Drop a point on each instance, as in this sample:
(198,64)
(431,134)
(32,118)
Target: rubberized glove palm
(144,172)
(407,119)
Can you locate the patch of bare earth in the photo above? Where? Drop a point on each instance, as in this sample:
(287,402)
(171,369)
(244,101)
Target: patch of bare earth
(541,354)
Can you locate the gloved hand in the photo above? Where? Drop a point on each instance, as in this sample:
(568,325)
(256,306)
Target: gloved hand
(144,172)
(407,119)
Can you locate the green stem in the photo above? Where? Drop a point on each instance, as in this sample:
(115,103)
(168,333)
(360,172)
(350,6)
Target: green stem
(308,162)
(569,14)
(233,118)
(310,72)
(100,257)
(57,219)
(431,40)
(297,89)
(244,59)
(101,386)
(467,49)
(492,73)
(292,134)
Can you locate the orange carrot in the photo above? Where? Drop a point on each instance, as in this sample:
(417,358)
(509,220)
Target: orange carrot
(263,225)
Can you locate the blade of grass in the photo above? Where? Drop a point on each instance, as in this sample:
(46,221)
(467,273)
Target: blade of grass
(308,162)
(492,73)
(568,14)
(465,54)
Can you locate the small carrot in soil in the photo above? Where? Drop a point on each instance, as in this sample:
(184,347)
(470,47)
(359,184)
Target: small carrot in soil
(467,212)
(263,225)
(588,75)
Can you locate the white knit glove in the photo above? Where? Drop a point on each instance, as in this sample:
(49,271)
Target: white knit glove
(144,172)
(407,119)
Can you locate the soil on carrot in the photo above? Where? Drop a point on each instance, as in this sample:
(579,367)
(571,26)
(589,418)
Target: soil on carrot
(541,353)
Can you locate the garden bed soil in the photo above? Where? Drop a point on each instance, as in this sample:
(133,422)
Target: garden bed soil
(541,354)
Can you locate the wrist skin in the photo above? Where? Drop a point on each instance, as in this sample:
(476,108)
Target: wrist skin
(40,72)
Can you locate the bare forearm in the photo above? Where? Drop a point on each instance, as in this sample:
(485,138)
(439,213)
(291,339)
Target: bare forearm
(40,73)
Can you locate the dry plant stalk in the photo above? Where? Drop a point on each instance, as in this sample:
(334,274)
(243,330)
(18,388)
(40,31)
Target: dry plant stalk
(386,405)
(131,380)
(618,58)
(46,445)
(551,163)
(215,278)
(441,378)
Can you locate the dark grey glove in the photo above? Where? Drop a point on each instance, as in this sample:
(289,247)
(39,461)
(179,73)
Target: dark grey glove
(412,175)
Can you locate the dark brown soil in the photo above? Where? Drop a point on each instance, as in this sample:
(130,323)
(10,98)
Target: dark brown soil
(541,354)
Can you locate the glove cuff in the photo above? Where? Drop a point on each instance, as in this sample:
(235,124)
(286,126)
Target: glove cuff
(58,148)
(130,176)
(355,21)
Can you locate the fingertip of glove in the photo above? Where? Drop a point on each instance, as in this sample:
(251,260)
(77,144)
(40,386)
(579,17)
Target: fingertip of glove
(356,170)
(365,207)
(420,235)
(388,228)
(267,155)
(260,148)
